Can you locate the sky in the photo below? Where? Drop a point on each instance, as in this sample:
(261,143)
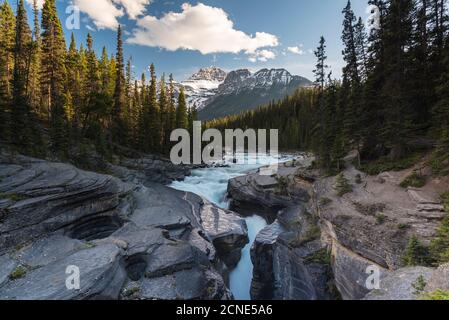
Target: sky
(182,36)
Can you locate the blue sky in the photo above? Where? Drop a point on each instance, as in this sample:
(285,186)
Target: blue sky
(230,34)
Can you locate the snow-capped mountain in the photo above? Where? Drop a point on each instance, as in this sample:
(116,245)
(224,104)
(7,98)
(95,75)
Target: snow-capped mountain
(203,85)
(216,93)
(241,80)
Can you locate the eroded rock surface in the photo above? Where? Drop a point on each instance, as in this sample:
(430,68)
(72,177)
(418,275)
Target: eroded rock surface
(127,240)
(257,192)
(370,225)
(281,252)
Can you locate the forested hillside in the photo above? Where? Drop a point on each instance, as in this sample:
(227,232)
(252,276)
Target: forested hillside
(393,98)
(66,101)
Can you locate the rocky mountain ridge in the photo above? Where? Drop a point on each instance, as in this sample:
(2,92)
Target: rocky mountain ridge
(212,88)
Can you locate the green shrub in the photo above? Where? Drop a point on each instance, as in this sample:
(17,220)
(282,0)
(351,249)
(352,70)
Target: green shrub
(313,233)
(440,157)
(403,226)
(131,292)
(322,256)
(342,185)
(381,218)
(385,164)
(415,180)
(416,254)
(358,178)
(445,200)
(419,285)
(439,247)
(436,295)
(282,187)
(18,273)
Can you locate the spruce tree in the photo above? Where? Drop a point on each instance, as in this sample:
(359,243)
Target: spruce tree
(395,91)
(118,130)
(53,77)
(34,80)
(7,43)
(320,71)
(181,112)
(154,113)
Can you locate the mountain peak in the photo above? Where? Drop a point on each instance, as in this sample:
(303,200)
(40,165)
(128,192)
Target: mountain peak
(209,74)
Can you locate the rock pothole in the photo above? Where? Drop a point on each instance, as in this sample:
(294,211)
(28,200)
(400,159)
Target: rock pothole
(94,228)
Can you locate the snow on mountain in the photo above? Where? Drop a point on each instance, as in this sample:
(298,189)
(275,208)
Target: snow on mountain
(210,85)
(202,86)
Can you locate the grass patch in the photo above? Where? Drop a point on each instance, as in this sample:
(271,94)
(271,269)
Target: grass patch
(342,185)
(12,196)
(381,218)
(383,164)
(369,209)
(131,292)
(322,256)
(436,295)
(415,180)
(313,233)
(403,226)
(18,273)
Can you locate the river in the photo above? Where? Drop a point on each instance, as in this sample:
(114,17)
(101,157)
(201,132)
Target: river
(212,183)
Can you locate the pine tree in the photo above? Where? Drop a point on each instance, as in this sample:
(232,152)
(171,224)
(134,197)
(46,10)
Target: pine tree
(21,117)
(360,39)
(415,253)
(320,71)
(34,89)
(53,77)
(351,70)
(164,114)
(155,114)
(104,71)
(181,112)
(395,92)
(119,132)
(7,43)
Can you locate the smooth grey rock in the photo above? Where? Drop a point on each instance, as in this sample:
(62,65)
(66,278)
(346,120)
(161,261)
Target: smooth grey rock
(49,250)
(101,277)
(7,266)
(191,284)
(147,169)
(439,279)
(399,284)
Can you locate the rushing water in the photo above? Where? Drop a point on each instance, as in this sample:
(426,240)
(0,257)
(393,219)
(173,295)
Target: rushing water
(212,183)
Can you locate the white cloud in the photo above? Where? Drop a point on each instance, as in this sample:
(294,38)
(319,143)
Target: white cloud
(134,8)
(262,55)
(296,50)
(103,13)
(40,3)
(203,28)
